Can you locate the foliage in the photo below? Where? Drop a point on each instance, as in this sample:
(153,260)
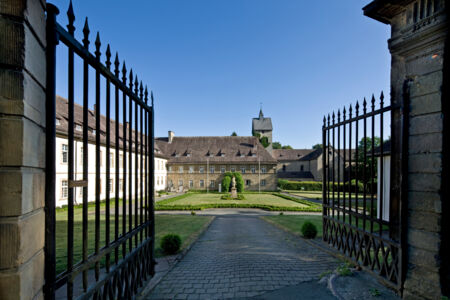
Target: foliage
(264,141)
(326,273)
(256,134)
(294,223)
(238,205)
(301,201)
(193,213)
(349,186)
(344,270)
(370,166)
(226,183)
(276,145)
(228,197)
(170,243)
(286,147)
(234,133)
(317,146)
(281,213)
(309,230)
(239,181)
(374,292)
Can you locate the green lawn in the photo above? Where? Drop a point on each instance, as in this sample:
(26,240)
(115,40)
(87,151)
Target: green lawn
(185,226)
(269,201)
(294,223)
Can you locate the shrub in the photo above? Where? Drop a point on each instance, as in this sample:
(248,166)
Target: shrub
(300,185)
(228,197)
(193,213)
(309,230)
(264,141)
(171,243)
(239,181)
(226,183)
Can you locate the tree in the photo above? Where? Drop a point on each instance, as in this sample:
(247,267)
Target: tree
(286,147)
(276,145)
(264,141)
(234,133)
(317,146)
(369,167)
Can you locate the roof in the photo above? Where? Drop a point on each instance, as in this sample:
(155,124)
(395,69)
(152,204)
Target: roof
(302,174)
(215,149)
(290,154)
(62,114)
(261,123)
(385,10)
(386,149)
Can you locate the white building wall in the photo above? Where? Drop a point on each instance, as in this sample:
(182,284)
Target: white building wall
(61,172)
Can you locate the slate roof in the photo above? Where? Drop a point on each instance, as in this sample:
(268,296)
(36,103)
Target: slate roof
(215,149)
(290,154)
(62,114)
(314,154)
(261,123)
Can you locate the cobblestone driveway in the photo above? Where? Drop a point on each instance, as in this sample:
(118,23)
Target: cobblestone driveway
(242,256)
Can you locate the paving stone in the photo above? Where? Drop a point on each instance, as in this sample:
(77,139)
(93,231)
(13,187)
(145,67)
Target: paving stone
(242,256)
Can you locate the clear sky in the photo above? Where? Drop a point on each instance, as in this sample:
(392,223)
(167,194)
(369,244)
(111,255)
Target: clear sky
(210,63)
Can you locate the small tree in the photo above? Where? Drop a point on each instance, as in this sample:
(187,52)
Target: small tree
(264,141)
(234,133)
(286,147)
(226,183)
(317,146)
(227,178)
(276,145)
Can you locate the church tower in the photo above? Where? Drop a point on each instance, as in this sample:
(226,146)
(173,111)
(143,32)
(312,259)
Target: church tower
(262,127)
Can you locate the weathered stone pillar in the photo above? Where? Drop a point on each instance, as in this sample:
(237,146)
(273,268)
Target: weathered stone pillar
(419,32)
(22,148)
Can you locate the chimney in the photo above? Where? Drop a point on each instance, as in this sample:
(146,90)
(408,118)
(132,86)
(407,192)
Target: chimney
(171,136)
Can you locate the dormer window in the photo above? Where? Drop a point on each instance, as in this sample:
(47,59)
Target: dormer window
(93,131)
(57,122)
(78,127)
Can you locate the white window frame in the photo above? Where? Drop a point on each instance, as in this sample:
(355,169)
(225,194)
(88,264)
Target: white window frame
(263,182)
(64,153)
(212,169)
(64,189)
(191,169)
(243,170)
(201,170)
(191,184)
(180,169)
(253,169)
(212,183)
(202,183)
(263,170)
(223,169)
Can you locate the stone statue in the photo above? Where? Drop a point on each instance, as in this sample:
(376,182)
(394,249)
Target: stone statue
(233,188)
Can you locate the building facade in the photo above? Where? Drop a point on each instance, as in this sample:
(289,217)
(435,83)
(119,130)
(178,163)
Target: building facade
(199,163)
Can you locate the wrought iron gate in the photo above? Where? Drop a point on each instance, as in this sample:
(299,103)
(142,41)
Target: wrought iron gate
(363,186)
(116,258)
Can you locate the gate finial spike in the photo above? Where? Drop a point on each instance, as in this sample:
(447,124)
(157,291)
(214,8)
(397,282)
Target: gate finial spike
(141,90)
(344,112)
(357,107)
(373,102)
(124,73)
(381,98)
(151,97)
(146,95)
(86,32)
(71,18)
(364,105)
(350,109)
(136,85)
(328,119)
(116,64)
(108,57)
(339,115)
(97,46)
(131,79)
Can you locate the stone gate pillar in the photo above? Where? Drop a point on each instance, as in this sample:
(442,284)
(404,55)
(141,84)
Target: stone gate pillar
(22,148)
(418,38)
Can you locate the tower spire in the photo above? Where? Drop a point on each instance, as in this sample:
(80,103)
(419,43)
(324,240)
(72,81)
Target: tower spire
(261,115)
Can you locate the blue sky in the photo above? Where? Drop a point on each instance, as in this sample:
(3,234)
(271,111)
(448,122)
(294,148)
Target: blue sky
(210,63)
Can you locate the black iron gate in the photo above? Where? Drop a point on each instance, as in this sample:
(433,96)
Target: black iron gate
(362,186)
(115,258)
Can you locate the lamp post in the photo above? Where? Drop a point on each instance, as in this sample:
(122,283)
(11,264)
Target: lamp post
(259,174)
(207,175)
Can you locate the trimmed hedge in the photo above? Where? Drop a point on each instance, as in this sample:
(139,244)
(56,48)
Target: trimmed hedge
(349,186)
(309,230)
(237,205)
(171,243)
(228,197)
(239,181)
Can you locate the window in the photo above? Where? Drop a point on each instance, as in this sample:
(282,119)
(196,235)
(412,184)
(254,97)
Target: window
(170,169)
(180,169)
(284,168)
(80,191)
(191,184)
(253,170)
(263,170)
(222,170)
(248,182)
(77,127)
(301,168)
(180,182)
(170,183)
(233,169)
(243,170)
(111,186)
(211,170)
(111,159)
(201,170)
(57,122)
(202,183)
(64,189)
(263,182)
(93,131)
(120,160)
(65,153)
(191,169)
(101,158)
(212,183)
(157,180)
(121,185)
(81,156)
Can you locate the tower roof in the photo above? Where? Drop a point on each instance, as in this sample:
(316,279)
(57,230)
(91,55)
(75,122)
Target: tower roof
(261,123)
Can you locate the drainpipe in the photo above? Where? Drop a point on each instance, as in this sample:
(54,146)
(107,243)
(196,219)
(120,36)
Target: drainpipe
(259,174)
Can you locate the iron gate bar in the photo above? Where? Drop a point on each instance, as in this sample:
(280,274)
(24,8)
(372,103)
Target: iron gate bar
(85,151)
(135,266)
(124,151)
(376,251)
